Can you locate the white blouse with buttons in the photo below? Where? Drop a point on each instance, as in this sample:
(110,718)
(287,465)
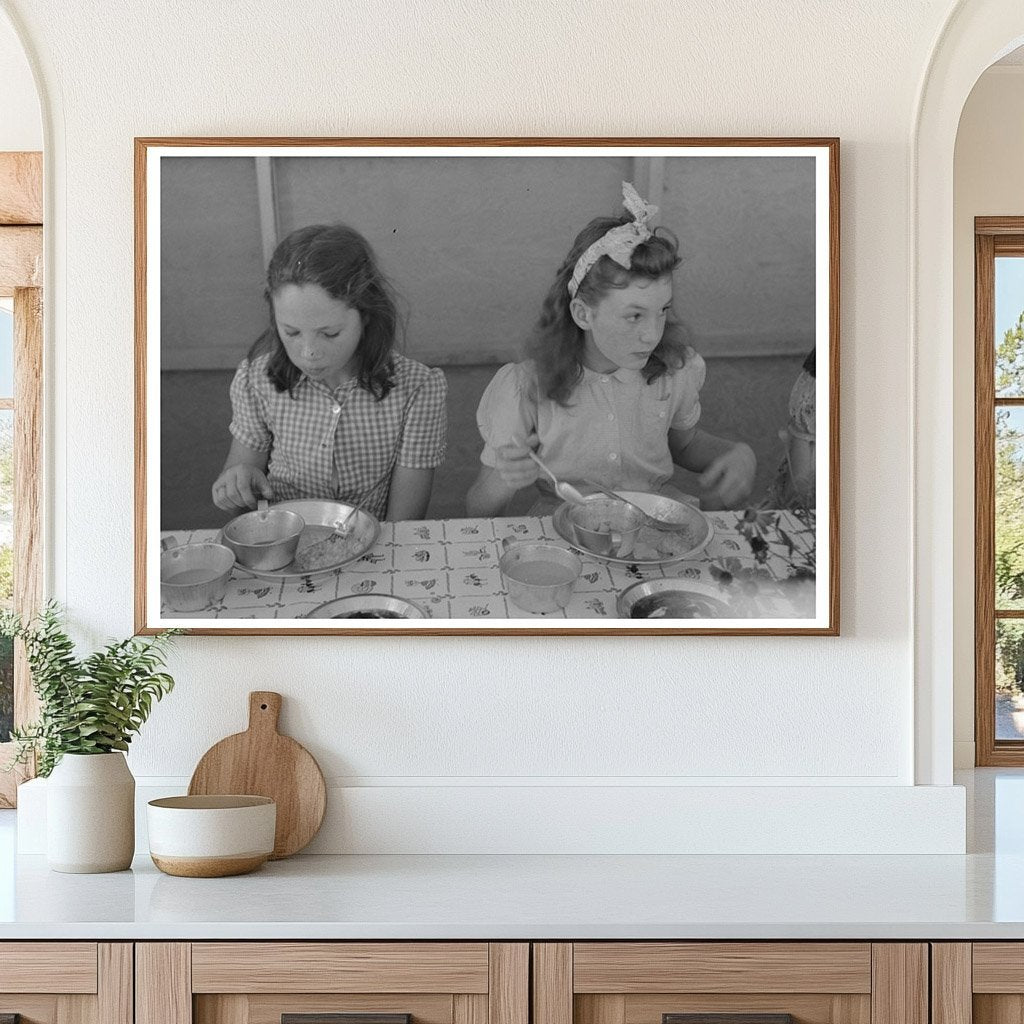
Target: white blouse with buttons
(614,432)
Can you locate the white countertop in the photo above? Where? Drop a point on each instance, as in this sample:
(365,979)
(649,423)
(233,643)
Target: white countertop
(520,897)
(976,896)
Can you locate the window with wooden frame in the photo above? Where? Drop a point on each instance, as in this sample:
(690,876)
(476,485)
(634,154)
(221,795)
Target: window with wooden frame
(21,362)
(999,490)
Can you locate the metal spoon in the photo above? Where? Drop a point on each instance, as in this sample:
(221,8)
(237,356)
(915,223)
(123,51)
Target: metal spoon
(565,491)
(658,524)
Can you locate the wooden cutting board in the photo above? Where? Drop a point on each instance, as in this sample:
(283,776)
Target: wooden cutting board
(262,762)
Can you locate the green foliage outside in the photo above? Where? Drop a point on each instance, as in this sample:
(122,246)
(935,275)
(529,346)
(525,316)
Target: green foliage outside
(6,575)
(1009,510)
(1009,656)
(89,705)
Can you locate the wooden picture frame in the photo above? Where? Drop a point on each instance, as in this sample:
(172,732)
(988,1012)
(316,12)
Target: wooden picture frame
(470,232)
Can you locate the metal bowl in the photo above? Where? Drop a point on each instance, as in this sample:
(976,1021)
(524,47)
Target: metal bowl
(651,545)
(368,606)
(265,539)
(321,517)
(539,576)
(671,599)
(194,576)
(605,526)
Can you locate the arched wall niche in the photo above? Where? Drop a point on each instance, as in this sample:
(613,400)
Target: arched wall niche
(977,33)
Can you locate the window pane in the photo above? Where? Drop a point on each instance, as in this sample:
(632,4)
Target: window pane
(1009,679)
(1009,522)
(6,349)
(6,567)
(1009,324)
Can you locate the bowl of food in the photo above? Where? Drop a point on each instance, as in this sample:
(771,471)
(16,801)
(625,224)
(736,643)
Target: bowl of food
(211,836)
(539,576)
(671,598)
(194,576)
(368,606)
(336,533)
(606,526)
(265,539)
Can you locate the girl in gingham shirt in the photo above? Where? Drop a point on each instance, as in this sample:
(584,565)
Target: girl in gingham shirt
(323,407)
(612,393)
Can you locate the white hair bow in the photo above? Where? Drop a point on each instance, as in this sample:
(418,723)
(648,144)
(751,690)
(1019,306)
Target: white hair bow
(618,243)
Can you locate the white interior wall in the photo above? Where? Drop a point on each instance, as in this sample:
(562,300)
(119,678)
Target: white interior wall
(21,127)
(987,182)
(447,715)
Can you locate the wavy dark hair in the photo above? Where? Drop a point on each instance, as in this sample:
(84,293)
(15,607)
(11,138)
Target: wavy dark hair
(339,260)
(556,346)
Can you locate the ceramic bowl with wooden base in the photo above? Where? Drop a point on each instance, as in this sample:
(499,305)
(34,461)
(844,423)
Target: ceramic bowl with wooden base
(211,836)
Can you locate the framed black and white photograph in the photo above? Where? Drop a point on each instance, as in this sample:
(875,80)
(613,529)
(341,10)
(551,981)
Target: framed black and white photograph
(565,386)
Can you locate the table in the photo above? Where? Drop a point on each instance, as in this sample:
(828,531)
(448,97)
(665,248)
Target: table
(450,568)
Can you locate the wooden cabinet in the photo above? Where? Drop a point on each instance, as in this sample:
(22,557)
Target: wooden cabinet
(66,982)
(758,982)
(263,982)
(494,983)
(979,982)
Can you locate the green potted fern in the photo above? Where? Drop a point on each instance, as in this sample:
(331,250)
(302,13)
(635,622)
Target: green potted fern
(89,709)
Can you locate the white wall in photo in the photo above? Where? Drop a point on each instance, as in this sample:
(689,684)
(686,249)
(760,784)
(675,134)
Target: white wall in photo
(408,725)
(471,244)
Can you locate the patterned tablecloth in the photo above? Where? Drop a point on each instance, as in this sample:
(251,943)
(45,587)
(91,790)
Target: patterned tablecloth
(450,568)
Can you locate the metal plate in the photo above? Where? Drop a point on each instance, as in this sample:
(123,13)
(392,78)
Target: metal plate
(320,517)
(661,507)
(674,599)
(356,606)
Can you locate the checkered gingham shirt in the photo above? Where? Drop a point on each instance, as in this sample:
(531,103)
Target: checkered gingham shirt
(343,444)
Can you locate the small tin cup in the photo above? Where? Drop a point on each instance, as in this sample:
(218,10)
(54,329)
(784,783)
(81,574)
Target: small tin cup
(539,577)
(265,539)
(194,576)
(606,526)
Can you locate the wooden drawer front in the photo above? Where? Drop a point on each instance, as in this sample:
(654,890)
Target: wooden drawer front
(997,981)
(733,967)
(311,967)
(59,967)
(998,967)
(46,980)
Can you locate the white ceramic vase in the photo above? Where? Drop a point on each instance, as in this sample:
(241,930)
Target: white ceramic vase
(90,814)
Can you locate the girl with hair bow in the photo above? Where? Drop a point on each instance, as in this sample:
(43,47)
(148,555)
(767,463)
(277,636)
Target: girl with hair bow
(611,393)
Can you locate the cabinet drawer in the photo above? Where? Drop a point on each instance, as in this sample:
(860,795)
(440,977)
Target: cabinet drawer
(66,967)
(340,967)
(980,982)
(332,983)
(998,967)
(66,982)
(633,967)
(730,983)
